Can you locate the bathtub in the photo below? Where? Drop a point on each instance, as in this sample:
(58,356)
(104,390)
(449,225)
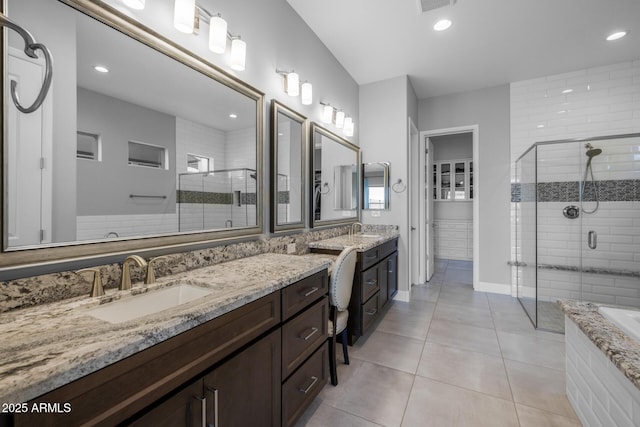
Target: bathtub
(628,321)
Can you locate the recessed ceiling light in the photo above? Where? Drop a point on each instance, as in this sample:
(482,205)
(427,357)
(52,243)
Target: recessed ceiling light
(442,25)
(615,36)
(540,126)
(233,116)
(101,69)
(567,91)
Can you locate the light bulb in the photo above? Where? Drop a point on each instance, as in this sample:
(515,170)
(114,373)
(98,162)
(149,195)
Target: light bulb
(615,36)
(238,54)
(348,126)
(217,34)
(184,14)
(307,93)
(293,84)
(327,114)
(134,4)
(442,25)
(340,119)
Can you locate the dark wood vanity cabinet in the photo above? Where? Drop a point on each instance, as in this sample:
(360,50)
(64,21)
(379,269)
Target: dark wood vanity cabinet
(234,368)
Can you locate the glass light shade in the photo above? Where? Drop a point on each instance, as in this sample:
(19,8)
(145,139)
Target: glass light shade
(327,114)
(217,34)
(307,93)
(293,84)
(134,4)
(339,119)
(442,25)
(184,14)
(348,126)
(238,54)
(615,36)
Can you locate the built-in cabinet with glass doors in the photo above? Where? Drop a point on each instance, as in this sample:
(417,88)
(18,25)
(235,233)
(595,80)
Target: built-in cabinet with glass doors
(453,180)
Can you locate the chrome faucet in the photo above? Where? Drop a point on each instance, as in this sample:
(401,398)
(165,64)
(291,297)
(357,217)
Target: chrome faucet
(125,280)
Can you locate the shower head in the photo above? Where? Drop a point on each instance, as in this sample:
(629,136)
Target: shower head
(592,152)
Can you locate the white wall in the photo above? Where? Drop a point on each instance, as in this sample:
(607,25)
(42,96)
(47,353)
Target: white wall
(384,109)
(489,109)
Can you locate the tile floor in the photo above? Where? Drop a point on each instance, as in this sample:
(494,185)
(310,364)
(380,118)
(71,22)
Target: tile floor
(450,357)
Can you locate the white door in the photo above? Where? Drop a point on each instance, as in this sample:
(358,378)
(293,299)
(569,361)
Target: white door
(428,209)
(414,189)
(29,144)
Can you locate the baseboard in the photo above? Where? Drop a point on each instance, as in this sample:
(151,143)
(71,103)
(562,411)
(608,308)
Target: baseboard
(494,288)
(402,296)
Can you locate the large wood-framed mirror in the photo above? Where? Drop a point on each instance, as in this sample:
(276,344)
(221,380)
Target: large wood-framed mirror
(163,150)
(335,179)
(288,158)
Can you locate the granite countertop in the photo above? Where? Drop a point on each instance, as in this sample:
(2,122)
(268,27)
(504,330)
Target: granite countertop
(361,241)
(622,350)
(47,346)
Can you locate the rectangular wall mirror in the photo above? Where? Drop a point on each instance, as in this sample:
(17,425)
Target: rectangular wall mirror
(375,186)
(288,158)
(335,178)
(138,141)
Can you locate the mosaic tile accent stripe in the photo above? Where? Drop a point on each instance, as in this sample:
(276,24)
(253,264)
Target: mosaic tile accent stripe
(625,190)
(212,198)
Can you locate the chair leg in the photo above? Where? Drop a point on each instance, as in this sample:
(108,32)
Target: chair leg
(332,360)
(343,339)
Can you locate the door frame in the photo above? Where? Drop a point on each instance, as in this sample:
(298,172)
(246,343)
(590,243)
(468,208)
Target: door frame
(412,190)
(474,130)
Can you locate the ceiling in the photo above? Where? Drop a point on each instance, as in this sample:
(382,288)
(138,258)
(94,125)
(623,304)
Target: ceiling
(491,42)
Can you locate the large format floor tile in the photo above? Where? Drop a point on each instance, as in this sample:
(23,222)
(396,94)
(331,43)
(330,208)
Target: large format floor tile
(532,417)
(467,337)
(436,404)
(476,316)
(532,349)
(391,350)
(407,321)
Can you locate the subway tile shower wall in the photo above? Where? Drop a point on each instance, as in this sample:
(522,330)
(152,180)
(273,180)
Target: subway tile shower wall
(603,101)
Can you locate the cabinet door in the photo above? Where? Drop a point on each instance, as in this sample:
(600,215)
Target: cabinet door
(245,390)
(184,408)
(392,275)
(383,279)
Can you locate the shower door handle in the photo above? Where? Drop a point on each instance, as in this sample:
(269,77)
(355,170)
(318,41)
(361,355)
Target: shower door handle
(592,239)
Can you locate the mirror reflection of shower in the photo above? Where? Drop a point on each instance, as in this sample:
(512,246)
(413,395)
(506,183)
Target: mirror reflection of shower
(588,170)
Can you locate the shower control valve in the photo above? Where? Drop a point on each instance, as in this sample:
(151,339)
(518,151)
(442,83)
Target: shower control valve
(571,212)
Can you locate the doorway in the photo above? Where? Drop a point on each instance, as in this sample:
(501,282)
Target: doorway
(448,194)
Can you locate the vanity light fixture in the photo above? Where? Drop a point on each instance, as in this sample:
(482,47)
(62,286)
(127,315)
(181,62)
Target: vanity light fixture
(184,15)
(340,119)
(101,69)
(238,53)
(327,113)
(616,35)
(348,126)
(306,93)
(442,25)
(134,4)
(217,34)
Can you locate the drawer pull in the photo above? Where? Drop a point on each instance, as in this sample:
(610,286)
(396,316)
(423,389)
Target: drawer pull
(214,392)
(310,291)
(314,380)
(372,282)
(306,337)
(372,312)
(203,410)
(371,256)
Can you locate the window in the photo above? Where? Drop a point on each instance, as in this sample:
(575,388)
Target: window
(89,146)
(152,156)
(196,163)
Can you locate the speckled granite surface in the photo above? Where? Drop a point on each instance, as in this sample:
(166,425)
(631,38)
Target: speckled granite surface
(370,237)
(47,346)
(623,351)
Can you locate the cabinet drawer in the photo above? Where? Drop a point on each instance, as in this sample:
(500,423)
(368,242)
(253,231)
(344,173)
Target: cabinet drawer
(370,283)
(388,248)
(302,293)
(368,258)
(369,313)
(302,335)
(304,385)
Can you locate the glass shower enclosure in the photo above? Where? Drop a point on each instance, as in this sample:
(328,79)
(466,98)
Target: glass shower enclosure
(577,225)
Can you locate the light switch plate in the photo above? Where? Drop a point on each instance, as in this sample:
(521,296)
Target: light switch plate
(291,248)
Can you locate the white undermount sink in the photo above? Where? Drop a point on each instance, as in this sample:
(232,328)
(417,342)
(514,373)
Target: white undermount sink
(371,236)
(148,303)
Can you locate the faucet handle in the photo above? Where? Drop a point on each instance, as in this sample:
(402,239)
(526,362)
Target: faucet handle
(97,290)
(151,277)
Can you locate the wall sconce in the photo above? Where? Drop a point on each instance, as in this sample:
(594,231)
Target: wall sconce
(340,119)
(293,87)
(134,4)
(307,93)
(186,18)
(348,126)
(327,113)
